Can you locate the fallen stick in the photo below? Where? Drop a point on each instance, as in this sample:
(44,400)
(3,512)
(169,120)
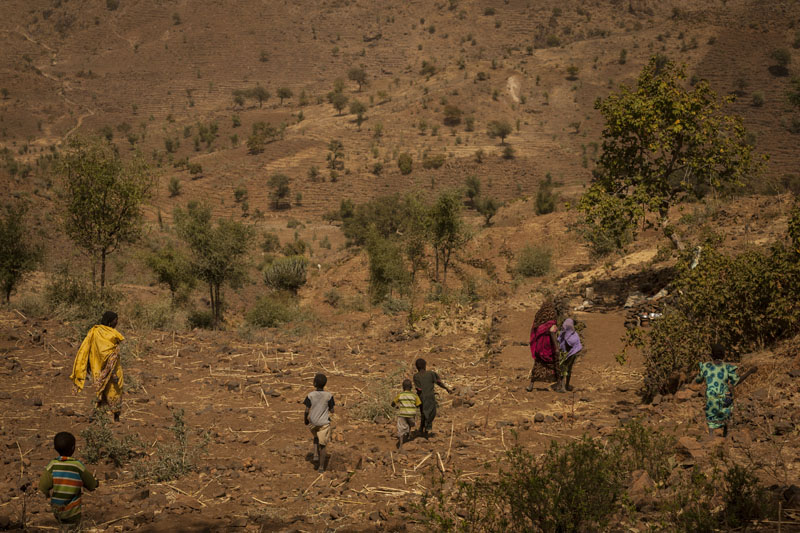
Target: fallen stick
(312,484)
(503,440)
(264,396)
(260,501)
(118,519)
(452,427)
(441,465)
(391,456)
(423,460)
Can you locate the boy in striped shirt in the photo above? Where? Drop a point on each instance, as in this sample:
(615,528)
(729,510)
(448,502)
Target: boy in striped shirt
(406,403)
(66,476)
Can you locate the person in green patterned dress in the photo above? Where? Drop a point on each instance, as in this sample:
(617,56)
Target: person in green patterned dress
(720,378)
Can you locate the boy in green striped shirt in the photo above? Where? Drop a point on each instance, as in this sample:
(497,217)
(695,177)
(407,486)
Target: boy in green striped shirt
(66,476)
(407,403)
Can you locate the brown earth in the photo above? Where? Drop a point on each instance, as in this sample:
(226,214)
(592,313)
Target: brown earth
(73,67)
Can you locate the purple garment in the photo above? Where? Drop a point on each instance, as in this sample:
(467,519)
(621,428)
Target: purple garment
(568,339)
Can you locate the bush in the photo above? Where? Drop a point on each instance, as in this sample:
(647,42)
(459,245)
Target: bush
(574,487)
(378,399)
(533,261)
(286,273)
(272,311)
(643,448)
(473,188)
(270,243)
(433,161)
(100,442)
(174,187)
(387,270)
(405,163)
(744,302)
(200,320)
(174,459)
(758,99)
(545,197)
(74,299)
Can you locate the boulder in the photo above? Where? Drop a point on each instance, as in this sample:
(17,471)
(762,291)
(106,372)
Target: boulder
(690,449)
(641,489)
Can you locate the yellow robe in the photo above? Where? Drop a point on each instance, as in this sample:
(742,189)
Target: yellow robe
(96,348)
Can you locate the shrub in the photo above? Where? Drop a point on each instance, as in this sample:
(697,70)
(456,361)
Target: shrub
(574,487)
(174,459)
(272,311)
(100,442)
(488,208)
(387,270)
(433,161)
(112,5)
(533,261)
(270,243)
(405,163)
(758,99)
(378,398)
(174,187)
(743,302)
(452,115)
(473,188)
(782,58)
(644,448)
(200,319)
(75,299)
(287,273)
(545,197)
(509,152)
(279,183)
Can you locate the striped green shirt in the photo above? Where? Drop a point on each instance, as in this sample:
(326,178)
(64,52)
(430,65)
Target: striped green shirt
(406,403)
(66,477)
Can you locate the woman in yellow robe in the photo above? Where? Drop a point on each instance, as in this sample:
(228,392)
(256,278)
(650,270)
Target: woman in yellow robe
(99,354)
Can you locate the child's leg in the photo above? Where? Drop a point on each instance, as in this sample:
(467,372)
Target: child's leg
(323,456)
(570,362)
(316,449)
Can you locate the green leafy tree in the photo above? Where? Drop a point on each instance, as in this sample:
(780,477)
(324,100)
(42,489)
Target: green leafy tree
(358,109)
(473,185)
(172,268)
(102,198)
(487,207)
(218,251)
(279,183)
(448,232)
(260,94)
(284,93)
(17,255)
(335,155)
(452,115)
(339,101)
(499,128)
(358,75)
(405,163)
(387,270)
(782,57)
(662,143)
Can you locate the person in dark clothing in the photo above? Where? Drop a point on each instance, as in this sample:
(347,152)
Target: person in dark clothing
(424,380)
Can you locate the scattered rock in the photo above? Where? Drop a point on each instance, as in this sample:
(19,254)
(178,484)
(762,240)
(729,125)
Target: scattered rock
(656,399)
(458,402)
(684,395)
(782,427)
(641,489)
(794,373)
(538,417)
(690,449)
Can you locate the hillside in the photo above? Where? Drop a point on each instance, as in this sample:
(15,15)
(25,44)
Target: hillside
(161,77)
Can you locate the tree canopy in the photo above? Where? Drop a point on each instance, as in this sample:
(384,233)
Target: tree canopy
(102,196)
(18,255)
(662,143)
(218,251)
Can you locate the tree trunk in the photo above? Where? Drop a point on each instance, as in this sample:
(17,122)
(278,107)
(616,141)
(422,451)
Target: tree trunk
(671,234)
(102,269)
(218,317)
(213,306)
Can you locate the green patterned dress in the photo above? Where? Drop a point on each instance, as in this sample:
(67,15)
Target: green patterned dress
(719,379)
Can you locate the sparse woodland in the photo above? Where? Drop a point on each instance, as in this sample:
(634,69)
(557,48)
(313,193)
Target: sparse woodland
(265,191)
